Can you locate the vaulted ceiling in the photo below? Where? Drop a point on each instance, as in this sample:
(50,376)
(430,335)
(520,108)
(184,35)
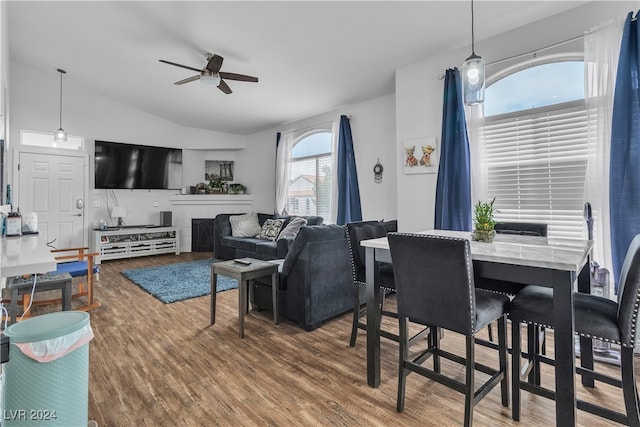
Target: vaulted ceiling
(310,57)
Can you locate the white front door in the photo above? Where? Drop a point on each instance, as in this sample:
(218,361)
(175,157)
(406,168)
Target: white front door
(53,186)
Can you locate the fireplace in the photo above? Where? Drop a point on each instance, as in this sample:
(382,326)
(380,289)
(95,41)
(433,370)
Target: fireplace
(202,235)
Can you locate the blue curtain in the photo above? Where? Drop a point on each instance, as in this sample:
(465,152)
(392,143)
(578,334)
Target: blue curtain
(453,191)
(624,175)
(349,208)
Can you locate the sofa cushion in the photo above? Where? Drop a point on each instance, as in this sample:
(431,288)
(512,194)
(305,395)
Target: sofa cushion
(246,225)
(270,229)
(266,248)
(293,227)
(248,243)
(230,241)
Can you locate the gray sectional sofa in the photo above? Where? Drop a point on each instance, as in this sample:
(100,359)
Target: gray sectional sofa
(315,279)
(226,246)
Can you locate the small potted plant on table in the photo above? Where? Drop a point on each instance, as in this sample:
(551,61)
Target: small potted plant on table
(483,221)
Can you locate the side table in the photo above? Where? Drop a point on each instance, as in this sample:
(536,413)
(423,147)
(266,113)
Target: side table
(20,285)
(243,274)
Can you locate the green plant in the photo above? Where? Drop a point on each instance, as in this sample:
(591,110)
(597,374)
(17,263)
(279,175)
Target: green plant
(483,215)
(237,188)
(215,183)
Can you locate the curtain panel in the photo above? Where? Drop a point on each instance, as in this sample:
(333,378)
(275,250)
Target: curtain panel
(453,192)
(601,51)
(349,209)
(624,173)
(284,144)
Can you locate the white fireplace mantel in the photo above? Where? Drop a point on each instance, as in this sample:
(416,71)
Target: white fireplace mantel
(211,199)
(186,207)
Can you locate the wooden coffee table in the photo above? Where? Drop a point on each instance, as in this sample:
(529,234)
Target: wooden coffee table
(243,273)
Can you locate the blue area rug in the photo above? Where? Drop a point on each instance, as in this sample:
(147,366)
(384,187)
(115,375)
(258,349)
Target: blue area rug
(176,282)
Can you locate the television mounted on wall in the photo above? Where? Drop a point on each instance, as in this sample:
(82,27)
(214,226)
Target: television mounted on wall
(128,166)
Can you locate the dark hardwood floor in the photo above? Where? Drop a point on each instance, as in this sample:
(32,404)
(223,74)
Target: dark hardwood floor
(156,364)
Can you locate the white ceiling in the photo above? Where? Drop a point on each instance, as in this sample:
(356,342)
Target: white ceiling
(310,57)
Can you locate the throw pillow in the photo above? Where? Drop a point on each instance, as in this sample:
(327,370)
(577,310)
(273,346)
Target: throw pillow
(291,230)
(270,229)
(246,225)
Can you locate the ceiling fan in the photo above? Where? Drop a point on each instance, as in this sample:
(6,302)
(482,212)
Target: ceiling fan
(212,74)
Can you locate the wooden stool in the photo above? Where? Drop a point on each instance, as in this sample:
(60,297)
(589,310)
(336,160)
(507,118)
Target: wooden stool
(44,282)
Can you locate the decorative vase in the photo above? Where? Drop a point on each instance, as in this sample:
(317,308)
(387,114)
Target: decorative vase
(486,236)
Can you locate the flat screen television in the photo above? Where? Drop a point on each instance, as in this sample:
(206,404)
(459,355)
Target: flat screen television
(129,166)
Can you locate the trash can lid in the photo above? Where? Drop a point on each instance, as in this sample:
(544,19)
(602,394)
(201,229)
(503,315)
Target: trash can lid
(47,326)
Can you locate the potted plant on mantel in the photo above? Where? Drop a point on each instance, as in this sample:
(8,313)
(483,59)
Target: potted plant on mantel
(216,185)
(483,222)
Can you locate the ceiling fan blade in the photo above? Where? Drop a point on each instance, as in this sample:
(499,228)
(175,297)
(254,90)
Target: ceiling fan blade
(215,63)
(240,77)
(180,65)
(187,80)
(223,86)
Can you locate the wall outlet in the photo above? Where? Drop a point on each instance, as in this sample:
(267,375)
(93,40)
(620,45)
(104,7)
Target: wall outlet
(155,204)
(96,203)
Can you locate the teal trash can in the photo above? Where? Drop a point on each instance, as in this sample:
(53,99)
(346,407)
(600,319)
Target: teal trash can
(54,389)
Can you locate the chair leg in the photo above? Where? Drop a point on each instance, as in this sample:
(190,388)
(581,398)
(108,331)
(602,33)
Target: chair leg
(403,355)
(533,347)
(435,343)
(502,356)
(469,384)
(515,370)
(356,316)
(490,332)
(629,389)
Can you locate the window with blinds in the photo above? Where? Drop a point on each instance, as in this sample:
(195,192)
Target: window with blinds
(536,163)
(310,176)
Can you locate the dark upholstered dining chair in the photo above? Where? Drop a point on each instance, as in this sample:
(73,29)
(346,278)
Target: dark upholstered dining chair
(435,287)
(535,229)
(595,317)
(355,233)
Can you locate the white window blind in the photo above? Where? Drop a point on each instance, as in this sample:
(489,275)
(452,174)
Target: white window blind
(536,163)
(310,186)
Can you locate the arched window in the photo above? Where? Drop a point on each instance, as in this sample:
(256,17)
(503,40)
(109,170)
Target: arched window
(534,146)
(310,176)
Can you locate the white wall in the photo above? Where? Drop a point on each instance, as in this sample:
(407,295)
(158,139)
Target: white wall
(373,130)
(4,96)
(419,93)
(35,107)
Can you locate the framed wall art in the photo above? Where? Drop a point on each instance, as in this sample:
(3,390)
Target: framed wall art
(218,169)
(420,155)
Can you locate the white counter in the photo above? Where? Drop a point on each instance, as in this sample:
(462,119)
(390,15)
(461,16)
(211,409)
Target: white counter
(25,255)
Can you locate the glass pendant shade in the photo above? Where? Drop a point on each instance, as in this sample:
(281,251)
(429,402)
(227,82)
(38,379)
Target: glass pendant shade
(60,135)
(473,80)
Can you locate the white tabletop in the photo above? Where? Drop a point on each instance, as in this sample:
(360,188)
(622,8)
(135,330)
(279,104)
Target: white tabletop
(553,253)
(25,255)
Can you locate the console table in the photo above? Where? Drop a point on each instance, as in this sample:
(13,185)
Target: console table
(131,242)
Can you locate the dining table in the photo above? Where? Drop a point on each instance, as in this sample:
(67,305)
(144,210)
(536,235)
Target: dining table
(558,263)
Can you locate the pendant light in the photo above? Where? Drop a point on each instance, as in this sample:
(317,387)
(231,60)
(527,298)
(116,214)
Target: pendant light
(60,135)
(473,74)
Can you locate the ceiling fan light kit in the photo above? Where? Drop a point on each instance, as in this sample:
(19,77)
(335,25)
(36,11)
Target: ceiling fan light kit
(473,74)
(211,74)
(60,135)
(210,79)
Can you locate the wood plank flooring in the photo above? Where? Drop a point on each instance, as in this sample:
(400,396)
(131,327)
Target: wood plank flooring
(156,364)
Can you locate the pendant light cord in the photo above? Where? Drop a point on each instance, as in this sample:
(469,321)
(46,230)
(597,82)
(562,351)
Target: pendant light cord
(473,48)
(61,71)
